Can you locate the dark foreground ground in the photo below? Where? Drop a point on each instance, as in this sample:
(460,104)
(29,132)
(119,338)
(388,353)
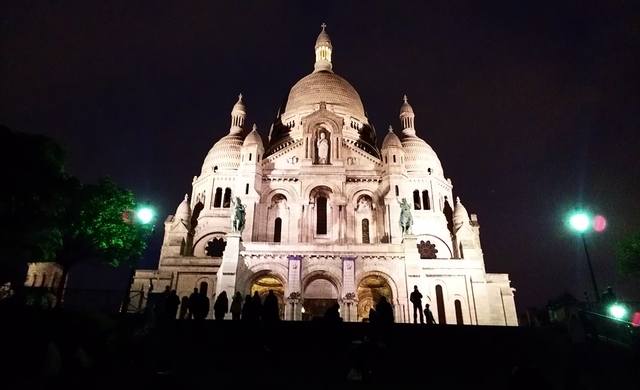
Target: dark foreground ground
(89,351)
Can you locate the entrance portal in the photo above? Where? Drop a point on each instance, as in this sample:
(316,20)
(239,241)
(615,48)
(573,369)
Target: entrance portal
(369,292)
(265,283)
(319,295)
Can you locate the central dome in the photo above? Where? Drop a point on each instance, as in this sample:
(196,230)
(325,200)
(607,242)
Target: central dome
(324,86)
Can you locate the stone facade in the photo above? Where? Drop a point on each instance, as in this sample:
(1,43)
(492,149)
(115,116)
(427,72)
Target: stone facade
(322,216)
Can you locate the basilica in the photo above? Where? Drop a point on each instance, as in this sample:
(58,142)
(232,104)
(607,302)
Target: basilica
(323,214)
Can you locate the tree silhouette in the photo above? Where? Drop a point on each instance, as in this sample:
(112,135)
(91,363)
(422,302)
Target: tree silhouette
(628,254)
(33,171)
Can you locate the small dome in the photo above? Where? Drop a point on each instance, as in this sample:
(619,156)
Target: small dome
(225,154)
(253,138)
(183,213)
(460,215)
(391,140)
(406,107)
(323,37)
(238,108)
(420,157)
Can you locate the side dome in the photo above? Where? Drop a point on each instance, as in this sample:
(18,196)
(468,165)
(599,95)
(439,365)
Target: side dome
(391,140)
(225,154)
(183,213)
(253,138)
(420,157)
(324,86)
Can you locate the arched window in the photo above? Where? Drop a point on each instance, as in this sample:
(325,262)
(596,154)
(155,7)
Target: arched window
(204,286)
(217,199)
(459,319)
(277,230)
(35,280)
(416,200)
(321,215)
(442,319)
(386,160)
(250,155)
(246,189)
(394,158)
(365,231)
(461,251)
(397,191)
(44,281)
(226,202)
(425,200)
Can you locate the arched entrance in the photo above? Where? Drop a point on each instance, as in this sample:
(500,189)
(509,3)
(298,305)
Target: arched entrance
(370,290)
(319,295)
(268,282)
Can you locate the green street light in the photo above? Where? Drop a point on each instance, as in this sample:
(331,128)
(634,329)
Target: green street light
(145,215)
(617,311)
(581,222)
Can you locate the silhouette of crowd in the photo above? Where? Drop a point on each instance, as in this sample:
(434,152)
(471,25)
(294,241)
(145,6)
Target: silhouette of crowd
(197,306)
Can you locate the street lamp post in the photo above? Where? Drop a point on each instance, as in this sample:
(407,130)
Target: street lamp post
(581,222)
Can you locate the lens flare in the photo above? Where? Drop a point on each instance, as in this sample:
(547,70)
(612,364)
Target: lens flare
(599,223)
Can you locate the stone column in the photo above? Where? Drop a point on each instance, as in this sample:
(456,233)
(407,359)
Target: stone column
(348,288)
(292,293)
(229,267)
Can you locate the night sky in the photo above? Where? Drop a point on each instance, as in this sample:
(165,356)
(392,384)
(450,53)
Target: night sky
(533,108)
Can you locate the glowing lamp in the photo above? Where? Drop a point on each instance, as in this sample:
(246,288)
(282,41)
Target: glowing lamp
(579,222)
(145,215)
(617,311)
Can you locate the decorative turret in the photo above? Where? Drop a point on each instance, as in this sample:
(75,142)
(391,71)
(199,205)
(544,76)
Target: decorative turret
(460,216)
(407,118)
(183,213)
(238,114)
(323,51)
(391,140)
(225,154)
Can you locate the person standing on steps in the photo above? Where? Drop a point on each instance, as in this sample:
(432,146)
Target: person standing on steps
(429,314)
(416,299)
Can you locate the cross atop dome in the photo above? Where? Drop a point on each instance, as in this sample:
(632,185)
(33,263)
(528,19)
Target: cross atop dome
(404,98)
(240,97)
(323,51)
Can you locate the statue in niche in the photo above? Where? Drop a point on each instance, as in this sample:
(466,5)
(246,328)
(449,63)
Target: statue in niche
(364,204)
(238,215)
(406,219)
(323,148)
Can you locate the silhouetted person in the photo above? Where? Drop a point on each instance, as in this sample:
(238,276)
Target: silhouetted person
(247,309)
(384,311)
(236,306)
(416,299)
(429,314)
(608,297)
(199,306)
(193,303)
(256,305)
(332,314)
(271,309)
(172,303)
(184,307)
(373,316)
(221,307)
